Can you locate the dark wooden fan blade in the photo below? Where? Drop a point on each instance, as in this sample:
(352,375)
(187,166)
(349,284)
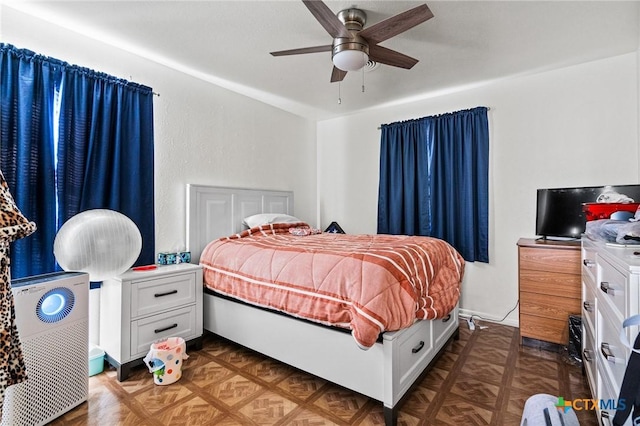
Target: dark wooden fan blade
(337,74)
(390,57)
(314,49)
(327,18)
(396,24)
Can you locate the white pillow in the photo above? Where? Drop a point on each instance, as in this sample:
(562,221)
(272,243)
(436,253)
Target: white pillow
(267,218)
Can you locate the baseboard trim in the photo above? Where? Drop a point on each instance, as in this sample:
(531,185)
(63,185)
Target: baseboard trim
(466,313)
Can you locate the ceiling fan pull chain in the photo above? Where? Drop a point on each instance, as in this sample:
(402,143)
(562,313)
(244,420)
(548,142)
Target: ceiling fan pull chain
(339,98)
(363,71)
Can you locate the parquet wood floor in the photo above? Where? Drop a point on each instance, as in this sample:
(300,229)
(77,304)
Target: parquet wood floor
(482,379)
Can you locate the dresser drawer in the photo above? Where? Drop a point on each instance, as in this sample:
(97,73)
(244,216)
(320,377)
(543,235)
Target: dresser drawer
(151,296)
(589,261)
(610,350)
(544,306)
(551,260)
(547,329)
(589,358)
(589,307)
(550,283)
(177,323)
(608,403)
(612,287)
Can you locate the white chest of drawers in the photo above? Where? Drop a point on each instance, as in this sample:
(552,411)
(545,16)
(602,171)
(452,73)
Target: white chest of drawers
(610,293)
(140,307)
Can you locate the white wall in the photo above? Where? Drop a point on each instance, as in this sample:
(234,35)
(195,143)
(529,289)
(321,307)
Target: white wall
(576,126)
(203,134)
(570,127)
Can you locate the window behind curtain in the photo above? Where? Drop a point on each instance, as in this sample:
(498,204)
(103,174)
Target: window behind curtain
(73,139)
(434,174)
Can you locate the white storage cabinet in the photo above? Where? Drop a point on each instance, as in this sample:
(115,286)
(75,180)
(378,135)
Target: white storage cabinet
(610,293)
(140,307)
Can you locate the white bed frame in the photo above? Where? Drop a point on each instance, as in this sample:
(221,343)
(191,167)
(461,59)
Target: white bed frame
(385,372)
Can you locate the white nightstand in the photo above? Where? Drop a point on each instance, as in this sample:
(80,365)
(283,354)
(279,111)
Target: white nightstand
(140,307)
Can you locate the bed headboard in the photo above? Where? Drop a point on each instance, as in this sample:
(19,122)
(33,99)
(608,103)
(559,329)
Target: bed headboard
(214,211)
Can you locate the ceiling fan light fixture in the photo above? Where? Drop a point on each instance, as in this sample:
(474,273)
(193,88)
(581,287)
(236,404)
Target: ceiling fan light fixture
(350,53)
(353,44)
(350,60)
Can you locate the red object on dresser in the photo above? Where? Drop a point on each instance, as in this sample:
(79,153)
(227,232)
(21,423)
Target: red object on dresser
(595,211)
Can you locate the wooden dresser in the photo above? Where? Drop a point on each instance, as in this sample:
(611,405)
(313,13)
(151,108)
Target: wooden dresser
(549,278)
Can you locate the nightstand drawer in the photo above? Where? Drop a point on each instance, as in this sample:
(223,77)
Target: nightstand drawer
(178,323)
(157,295)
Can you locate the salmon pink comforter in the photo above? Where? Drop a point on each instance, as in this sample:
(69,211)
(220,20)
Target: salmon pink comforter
(366,283)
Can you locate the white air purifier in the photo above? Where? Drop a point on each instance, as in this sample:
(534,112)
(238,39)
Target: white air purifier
(52,316)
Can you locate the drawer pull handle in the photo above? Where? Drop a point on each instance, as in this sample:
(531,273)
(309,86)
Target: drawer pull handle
(587,306)
(160,330)
(605,287)
(606,352)
(447,318)
(588,263)
(586,354)
(418,347)
(165,294)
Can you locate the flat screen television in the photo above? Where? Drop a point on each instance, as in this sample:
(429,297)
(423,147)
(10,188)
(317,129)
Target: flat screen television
(559,211)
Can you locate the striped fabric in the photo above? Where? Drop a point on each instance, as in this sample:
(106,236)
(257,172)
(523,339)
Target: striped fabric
(367,283)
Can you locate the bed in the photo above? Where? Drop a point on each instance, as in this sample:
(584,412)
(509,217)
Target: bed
(383,366)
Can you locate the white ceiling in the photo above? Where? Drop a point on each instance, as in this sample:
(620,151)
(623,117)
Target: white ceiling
(466,43)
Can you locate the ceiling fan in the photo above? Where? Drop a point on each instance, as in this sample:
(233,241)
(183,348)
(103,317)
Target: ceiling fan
(353,45)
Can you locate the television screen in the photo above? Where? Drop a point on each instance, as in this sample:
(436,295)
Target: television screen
(559,211)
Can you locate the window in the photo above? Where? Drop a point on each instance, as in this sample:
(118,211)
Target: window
(72,139)
(434,180)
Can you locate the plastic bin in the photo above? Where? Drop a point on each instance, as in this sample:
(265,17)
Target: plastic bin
(96,360)
(165,358)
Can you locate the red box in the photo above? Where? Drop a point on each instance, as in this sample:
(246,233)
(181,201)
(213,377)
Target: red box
(595,211)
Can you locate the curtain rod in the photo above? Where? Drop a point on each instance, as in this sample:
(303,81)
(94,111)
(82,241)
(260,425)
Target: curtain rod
(488,109)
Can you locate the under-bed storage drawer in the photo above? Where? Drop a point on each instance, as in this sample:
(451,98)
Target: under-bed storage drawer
(442,329)
(414,347)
